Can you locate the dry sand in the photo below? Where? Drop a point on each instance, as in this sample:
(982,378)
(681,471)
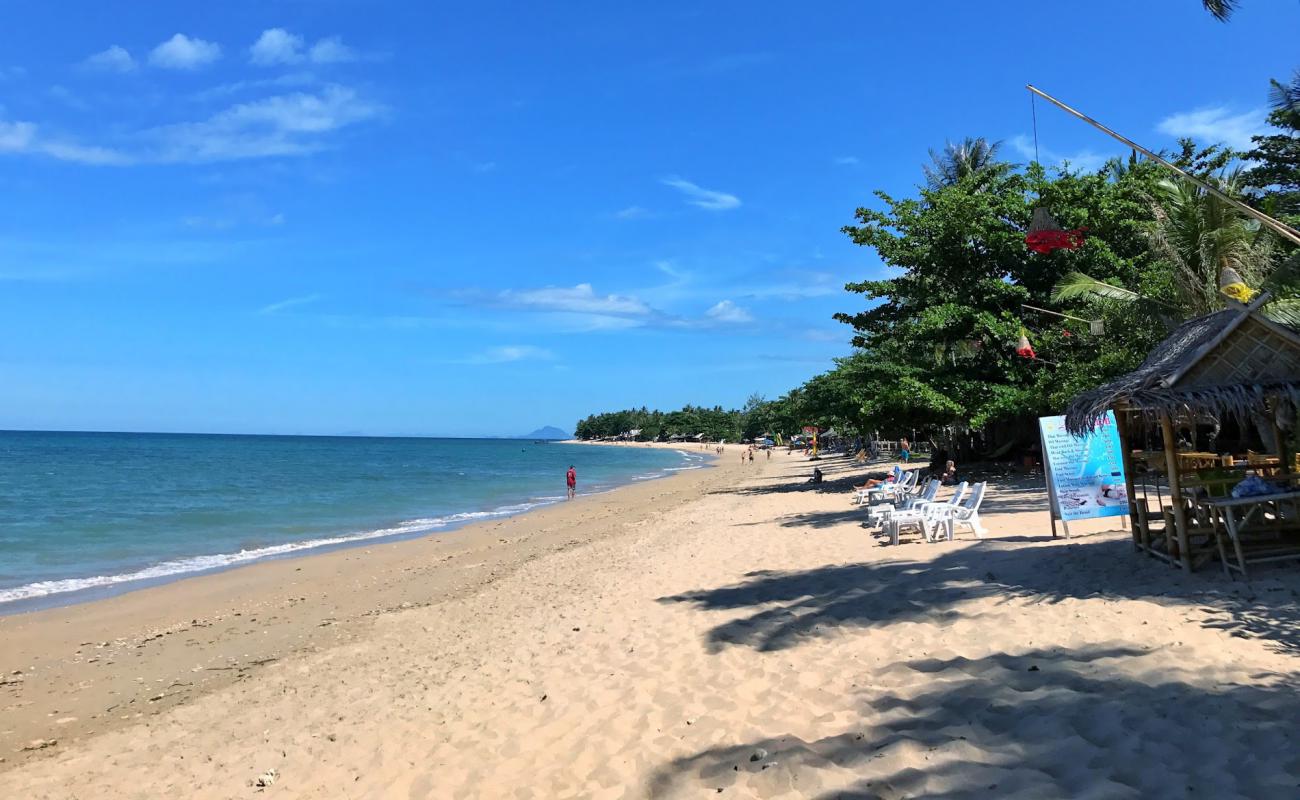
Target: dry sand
(730,632)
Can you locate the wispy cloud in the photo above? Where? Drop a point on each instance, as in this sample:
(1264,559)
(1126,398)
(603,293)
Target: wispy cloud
(183,52)
(292,302)
(281,125)
(290,80)
(847,161)
(1084,160)
(632,212)
(580,299)
(506,354)
(728,312)
(1216,125)
(276,46)
(700,197)
(292,124)
(114,59)
(25,138)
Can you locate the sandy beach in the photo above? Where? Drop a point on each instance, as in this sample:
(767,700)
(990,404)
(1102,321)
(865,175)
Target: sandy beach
(727,632)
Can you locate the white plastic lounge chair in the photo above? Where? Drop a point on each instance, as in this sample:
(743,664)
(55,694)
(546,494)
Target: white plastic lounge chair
(966,515)
(877,514)
(896,490)
(921,515)
(861,495)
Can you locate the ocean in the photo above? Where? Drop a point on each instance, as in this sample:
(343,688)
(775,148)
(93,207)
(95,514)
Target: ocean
(88,514)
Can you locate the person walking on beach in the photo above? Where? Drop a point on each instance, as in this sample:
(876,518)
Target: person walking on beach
(904,450)
(571,478)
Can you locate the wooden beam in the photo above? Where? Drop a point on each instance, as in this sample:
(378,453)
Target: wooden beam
(1176,491)
(1122,419)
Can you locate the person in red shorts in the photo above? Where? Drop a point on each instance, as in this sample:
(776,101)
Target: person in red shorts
(571,477)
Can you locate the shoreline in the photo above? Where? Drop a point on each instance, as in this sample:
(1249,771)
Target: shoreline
(168,571)
(236,619)
(733,631)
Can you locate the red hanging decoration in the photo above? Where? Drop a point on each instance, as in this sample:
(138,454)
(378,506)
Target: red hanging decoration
(1045,235)
(1024,349)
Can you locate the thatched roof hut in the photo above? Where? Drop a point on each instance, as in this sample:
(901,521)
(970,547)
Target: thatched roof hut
(1231,361)
(1234,361)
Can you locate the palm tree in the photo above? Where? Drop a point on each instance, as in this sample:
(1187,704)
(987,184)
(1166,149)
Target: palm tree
(1221,9)
(971,156)
(1199,235)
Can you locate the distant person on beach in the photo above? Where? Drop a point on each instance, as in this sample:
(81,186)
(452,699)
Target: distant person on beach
(571,478)
(904,450)
(949,475)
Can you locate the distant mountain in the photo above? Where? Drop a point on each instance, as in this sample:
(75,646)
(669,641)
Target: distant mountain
(548,432)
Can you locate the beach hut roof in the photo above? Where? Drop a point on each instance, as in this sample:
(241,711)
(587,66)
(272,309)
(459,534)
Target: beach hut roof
(1228,361)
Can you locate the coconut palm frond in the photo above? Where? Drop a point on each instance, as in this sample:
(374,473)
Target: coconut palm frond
(1285,311)
(1220,9)
(1076,285)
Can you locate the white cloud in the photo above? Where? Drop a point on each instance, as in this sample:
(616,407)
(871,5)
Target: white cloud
(281,125)
(1082,161)
(508,354)
(727,311)
(632,212)
(847,161)
(292,302)
(331,50)
(278,46)
(16,137)
(23,138)
(580,299)
(701,197)
(1216,125)
(114,59)
(182,52)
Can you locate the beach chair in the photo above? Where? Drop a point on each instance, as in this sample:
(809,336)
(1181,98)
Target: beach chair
(966,515)
(877,514)
(861,495)
(894,491)
(921,515)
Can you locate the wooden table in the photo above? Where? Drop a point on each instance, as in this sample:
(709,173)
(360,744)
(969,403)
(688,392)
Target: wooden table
(1246,517)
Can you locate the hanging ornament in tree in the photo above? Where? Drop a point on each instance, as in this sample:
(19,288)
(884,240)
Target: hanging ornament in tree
(1045,235)
(1023,348)
(1232,285)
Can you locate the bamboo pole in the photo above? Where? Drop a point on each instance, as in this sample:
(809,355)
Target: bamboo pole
(1126,458)
(1282,229)
(1176,491)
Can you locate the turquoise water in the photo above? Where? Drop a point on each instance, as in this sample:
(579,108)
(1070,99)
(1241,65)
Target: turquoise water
(82,514)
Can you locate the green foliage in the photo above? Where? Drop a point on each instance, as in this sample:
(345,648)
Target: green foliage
(1276,178)
(715,423)
(942,334)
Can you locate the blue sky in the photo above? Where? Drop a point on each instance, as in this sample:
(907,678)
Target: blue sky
(480,218)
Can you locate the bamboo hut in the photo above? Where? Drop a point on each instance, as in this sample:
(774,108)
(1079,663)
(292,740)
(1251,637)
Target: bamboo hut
(1234,362)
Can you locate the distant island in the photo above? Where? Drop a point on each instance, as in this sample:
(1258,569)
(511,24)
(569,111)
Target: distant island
(549,432)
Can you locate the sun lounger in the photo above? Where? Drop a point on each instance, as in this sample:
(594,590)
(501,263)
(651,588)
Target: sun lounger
(877,514)
(896,490)
(922,515)
(967,515)
(861,495)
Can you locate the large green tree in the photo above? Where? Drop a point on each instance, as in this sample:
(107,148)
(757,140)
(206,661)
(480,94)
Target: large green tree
(941,332)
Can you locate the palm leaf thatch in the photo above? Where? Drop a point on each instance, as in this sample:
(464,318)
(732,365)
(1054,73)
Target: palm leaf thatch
(1232,361)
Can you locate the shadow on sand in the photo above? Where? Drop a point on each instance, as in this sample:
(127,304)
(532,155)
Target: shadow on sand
(787,606)
(1042,723)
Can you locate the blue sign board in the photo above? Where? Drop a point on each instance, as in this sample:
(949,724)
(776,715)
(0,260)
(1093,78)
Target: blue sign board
(1085,474)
